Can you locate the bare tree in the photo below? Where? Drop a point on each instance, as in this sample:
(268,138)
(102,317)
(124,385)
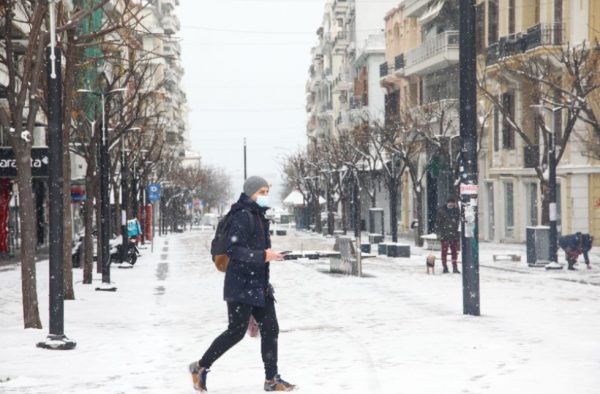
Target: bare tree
(562,84)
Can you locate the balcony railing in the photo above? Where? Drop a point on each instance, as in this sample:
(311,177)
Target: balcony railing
(359,101)
(341,37)
(545,34)
(432,47)
(542,34)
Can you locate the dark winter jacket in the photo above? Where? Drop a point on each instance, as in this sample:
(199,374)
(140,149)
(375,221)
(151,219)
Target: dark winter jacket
(575,244)
(447,221)
(247,276)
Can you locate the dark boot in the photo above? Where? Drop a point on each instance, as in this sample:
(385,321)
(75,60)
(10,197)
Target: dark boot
(455,269)
(445,271)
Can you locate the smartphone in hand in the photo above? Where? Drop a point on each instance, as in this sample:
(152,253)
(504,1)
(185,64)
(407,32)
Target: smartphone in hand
(285,252)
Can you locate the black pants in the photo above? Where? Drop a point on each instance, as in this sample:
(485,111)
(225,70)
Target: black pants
(239,314)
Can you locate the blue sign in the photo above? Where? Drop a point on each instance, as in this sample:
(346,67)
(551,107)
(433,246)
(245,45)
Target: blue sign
(154,192)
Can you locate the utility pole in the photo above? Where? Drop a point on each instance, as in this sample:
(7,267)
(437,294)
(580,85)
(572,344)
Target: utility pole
(124,204)
(245,167)
(56,338)
(469,182)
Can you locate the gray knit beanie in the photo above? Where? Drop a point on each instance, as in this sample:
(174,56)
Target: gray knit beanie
(252,184)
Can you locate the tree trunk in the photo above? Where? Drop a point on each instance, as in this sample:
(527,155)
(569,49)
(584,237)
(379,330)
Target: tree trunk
(88,217)
(344,214)
(31,314)
(419,218)
(99,257)
(116,227)
(393,190)
(67,228)
(545,194)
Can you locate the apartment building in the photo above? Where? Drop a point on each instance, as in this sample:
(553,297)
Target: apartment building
(420,75)
(511,197)
(343,89)
(349,39)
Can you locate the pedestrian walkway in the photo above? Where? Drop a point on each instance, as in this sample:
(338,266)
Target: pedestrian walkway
(396,331)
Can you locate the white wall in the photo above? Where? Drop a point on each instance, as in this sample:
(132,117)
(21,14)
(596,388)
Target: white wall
(579,205)
(376,92)
(579,14)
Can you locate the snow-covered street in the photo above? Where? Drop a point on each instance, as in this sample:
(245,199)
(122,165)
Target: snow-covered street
(397,330)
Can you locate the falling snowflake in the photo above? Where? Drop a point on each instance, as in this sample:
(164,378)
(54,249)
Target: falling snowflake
(26,136)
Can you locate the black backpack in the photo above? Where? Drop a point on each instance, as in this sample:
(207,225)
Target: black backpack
(218,246)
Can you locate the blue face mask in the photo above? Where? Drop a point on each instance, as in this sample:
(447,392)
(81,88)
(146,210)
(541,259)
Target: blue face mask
(263,201)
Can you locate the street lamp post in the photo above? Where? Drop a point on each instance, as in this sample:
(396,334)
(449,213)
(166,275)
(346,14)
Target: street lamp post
(104,192)
(56,338)
(469,177)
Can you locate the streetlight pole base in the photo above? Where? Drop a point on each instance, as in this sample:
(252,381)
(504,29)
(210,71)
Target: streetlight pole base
(554,266)
(57,342)
(106,287)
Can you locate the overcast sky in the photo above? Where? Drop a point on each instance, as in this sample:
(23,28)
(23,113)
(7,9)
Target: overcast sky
(246,65)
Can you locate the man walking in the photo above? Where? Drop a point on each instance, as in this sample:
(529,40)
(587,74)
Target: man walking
(247,290)
(447,221)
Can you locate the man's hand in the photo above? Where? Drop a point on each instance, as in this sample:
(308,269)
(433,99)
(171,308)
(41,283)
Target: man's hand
(271,255)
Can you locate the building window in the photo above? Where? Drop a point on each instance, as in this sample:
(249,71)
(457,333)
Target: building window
(509,210)
(511,16)
(340,22)
(558,11)
(492,21)
(496,126)
(508,133)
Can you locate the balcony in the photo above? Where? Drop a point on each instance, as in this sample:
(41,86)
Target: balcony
(341,40)
(545,34)
(414,8)
(434,54)
(359,101)
(169,5)
(342,82)
(170,24)
(343,122)
(540,35)
(172,48)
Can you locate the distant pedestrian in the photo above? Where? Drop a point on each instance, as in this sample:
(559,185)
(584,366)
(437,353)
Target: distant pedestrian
(574,245)
(447,220)
(247,290)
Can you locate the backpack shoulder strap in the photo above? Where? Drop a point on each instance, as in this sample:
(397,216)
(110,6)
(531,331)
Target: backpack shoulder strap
(251,219)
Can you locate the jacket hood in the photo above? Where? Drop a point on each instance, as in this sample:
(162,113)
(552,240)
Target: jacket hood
(244,202)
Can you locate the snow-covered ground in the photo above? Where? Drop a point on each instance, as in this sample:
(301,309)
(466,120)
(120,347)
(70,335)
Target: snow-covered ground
(397,330)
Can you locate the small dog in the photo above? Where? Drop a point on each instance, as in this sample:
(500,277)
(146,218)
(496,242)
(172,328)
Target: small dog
(430,262)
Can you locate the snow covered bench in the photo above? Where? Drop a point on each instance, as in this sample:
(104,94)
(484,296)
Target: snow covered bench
(347,262)
(506,256)
(431,242)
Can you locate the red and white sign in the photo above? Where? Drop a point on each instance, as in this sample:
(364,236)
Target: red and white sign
(469,189)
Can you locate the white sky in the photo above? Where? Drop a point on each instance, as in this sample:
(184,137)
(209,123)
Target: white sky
(241,83)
